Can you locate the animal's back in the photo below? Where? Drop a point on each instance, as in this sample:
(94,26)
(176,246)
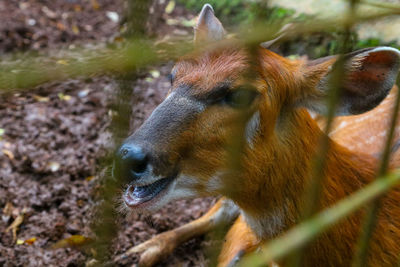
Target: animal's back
(367,133)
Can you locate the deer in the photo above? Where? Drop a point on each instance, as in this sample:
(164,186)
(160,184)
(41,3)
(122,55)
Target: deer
(183,149)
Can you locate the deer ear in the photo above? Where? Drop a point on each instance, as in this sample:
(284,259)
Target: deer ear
(369,75)
(208,27)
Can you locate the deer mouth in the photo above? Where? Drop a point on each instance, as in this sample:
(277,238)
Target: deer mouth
(138,196)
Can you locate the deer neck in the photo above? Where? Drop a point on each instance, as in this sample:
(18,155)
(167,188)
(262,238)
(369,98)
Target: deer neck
(277,171)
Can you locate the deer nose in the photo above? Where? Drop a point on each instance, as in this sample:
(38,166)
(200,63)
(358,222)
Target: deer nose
(131,161)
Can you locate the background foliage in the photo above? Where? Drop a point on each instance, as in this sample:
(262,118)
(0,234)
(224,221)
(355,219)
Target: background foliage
(245,13)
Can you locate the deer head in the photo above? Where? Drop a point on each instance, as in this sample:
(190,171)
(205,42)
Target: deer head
(182,150)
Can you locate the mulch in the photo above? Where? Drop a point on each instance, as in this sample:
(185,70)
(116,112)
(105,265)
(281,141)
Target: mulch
(53,137)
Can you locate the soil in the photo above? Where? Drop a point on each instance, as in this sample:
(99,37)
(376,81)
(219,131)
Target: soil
(53,137)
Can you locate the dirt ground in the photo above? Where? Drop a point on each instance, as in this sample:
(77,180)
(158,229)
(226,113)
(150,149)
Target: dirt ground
(53,136)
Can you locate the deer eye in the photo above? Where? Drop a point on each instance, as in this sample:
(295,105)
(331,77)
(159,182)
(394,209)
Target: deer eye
(240,97)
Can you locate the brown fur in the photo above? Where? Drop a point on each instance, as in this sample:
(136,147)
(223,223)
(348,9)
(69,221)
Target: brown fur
(239,241)
(367,132)
(196,138)
(288,136)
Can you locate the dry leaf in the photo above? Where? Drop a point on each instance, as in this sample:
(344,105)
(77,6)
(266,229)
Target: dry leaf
(49,13)
(8,153)
(64,97)
(113,16)
(155,73)
(83,93)
(89,178)
(72,241)
(8,209)
(75,29)
(41,98)
(80,203)
(30,241)
(95,4)
(61,26)
(53,166)
(7,212)
(31,22)
(15,224)
(92,263)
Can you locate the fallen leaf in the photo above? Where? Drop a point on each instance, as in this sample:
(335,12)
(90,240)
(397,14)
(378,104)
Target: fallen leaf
(155,73)
(7,212)
(19,242)
(89,178)
(51,14)
(8,208)
(8,153)
(170,7)
(92,262)
(15,224)
(64,97)
(95,4)
(61,26)
(75,29)
(83,93)
(80,203)
(113,16)
(72,241)
(53,166)
(41,98)
(31,22)
(30,241)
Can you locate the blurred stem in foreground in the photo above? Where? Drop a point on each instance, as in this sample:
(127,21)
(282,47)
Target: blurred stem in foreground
(106,228)
(314,188)
(137,14)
